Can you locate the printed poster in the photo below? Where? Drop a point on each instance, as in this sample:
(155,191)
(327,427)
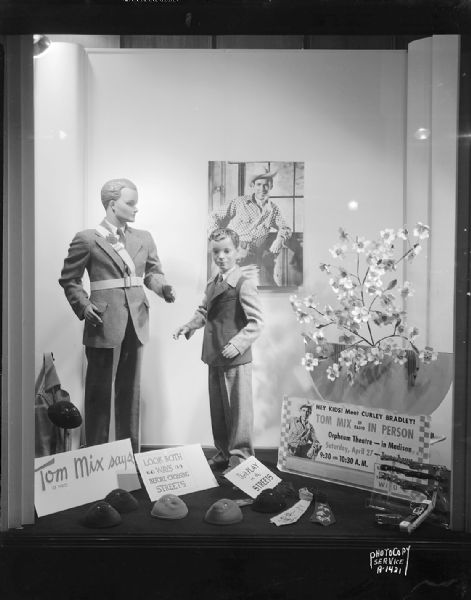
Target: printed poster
(343,442)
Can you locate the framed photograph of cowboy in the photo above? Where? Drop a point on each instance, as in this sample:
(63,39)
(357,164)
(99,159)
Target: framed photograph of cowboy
(262,201)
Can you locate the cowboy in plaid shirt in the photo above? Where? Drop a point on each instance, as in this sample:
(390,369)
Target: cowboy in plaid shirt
(252,217)
(302,440)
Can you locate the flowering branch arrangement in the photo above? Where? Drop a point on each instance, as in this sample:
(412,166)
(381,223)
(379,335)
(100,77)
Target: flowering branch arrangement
(368,293)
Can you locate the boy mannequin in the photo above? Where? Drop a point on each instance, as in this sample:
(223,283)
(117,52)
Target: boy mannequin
(119,260)
(231,315)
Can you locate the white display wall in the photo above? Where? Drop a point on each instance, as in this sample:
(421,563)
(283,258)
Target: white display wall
(157,117)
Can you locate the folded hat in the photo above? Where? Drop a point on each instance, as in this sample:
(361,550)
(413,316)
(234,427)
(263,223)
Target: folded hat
(286,489)
(101,514)
(169,506)
(223,512)
(64,414)
(122,500)
(269,501)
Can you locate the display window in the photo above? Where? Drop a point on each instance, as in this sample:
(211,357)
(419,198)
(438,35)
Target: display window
(246,323)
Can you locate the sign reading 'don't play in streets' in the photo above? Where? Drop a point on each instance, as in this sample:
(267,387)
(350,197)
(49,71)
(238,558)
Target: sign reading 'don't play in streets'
(69,479)
(179,470)
(252,477)
(323,438)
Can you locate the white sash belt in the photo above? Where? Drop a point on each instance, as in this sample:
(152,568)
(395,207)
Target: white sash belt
(109,284)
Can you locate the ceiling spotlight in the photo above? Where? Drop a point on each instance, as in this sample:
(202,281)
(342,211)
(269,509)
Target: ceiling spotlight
(422,133)
(353,205)
(40,44)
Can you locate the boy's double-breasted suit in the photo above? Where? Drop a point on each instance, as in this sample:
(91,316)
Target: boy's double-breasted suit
(230,313)
(114,347)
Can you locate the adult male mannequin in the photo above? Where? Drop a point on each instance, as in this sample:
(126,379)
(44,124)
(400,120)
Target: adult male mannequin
(119,260)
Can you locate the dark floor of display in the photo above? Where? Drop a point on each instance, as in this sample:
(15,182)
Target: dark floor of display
(146,558)
(354,521)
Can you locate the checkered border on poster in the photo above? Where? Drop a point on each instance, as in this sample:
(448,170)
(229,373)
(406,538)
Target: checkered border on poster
(285,420)
(424,439)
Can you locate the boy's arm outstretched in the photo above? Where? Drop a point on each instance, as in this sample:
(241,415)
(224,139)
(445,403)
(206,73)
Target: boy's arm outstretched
(198,320)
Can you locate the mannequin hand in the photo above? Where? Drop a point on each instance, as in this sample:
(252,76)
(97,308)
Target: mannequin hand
(276,246)
(168,293)
(92,315)
(229,351)
(183,330)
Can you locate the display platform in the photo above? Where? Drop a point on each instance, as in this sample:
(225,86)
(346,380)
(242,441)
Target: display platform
(146,557)
(354,524)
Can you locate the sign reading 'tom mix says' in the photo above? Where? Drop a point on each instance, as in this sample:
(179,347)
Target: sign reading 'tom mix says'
(69,479)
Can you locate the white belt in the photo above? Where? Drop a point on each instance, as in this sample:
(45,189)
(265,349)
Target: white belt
(109,284)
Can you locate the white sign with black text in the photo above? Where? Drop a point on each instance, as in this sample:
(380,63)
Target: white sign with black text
(69,479)
(179,470)
(252,477)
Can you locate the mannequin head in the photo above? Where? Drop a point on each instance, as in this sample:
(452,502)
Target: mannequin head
(111,190)
(119,198)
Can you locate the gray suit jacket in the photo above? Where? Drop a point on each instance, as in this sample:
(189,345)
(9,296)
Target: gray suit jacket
(218,333)
(89,251)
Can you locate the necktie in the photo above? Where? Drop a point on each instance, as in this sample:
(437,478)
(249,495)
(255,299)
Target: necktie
(121,237)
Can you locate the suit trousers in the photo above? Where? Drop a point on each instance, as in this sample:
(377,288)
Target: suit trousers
(230,401)
(121,366)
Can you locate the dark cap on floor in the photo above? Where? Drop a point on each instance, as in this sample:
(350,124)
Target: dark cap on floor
(101,514)
(122,500)
(269,501)
(223,512)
